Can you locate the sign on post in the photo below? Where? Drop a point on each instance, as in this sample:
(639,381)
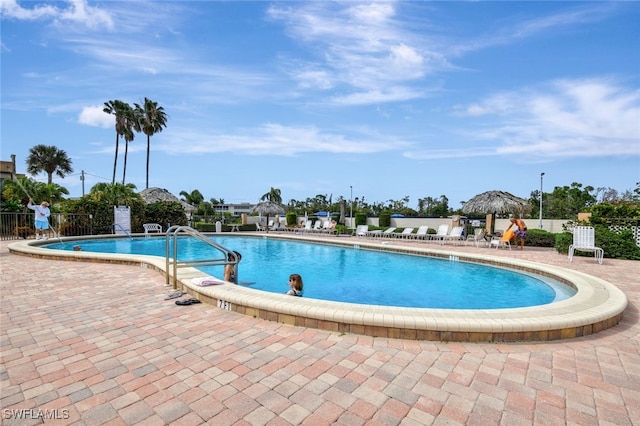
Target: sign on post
(122,220)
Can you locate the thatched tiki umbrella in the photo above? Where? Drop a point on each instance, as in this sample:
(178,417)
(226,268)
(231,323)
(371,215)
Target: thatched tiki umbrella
(493,202)
(268,208)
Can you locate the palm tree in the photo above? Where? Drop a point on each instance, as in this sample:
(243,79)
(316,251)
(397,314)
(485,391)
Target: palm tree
(116,108)
(49,159)
(130,123)
(152,120)
(273,195)
(194,197)
(116,194)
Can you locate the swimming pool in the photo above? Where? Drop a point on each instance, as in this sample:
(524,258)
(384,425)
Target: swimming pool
(596,306)
(352,275)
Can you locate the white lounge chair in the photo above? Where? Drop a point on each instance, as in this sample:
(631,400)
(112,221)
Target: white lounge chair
(443,231)
(378,232)
(584,239)
(387,233)
(361,230)
(478,237)
(422,233)
(406,233)
(317,227)
(260,227)
(456,235)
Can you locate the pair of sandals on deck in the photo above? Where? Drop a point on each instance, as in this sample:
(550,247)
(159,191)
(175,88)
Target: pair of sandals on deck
(182,302)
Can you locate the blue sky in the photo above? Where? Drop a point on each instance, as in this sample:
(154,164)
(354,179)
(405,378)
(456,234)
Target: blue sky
(392,99)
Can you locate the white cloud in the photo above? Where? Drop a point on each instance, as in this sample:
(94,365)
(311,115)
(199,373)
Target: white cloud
(78,11)
(375,53)
(561,119)
(95,116)
(275,139)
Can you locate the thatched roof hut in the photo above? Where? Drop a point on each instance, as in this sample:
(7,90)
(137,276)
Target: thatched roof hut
(496,202)
(152,195)
(268,208)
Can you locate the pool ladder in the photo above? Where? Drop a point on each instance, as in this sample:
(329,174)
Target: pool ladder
(173,263)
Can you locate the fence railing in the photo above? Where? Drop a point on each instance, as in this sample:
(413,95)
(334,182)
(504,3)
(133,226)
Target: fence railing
(17,226)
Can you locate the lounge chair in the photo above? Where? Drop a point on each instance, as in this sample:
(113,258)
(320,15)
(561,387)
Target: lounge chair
(504,240)
(388,233)
(317,227)
(329,227)
(584,239)
(456,235)
(380,233)
(406,233)
(361,230)
(422,233)
(443,231)
(260,227)
(305,228)
(478,237)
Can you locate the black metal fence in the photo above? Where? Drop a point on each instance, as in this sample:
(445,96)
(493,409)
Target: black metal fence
(18,226)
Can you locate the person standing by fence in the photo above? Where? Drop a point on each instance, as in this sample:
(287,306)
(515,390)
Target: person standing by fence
(42,218)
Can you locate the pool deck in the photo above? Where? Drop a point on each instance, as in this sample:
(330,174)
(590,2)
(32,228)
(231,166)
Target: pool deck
(96,343)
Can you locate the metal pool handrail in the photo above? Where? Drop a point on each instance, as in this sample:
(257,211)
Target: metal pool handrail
(173,263)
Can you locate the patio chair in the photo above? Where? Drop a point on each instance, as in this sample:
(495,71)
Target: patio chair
(378,232)
(456,235)
(478,237)
(317,227)
(503,240)
(260,227)
(406,233)
(584,239)
(422,233)
(443,231)
(361,230)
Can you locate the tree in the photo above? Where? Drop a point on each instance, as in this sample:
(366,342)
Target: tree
(130,123)
(114,194)
(152,120)
(117,108)
(48,159)
(273,195)
(194,197)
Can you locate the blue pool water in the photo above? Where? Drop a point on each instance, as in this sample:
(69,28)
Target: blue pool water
(355,275)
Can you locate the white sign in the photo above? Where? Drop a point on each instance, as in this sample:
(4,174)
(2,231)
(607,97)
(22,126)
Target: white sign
(122,220)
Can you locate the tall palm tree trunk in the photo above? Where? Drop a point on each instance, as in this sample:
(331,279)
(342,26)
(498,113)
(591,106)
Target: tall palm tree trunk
(115,161)
(148,155)
(124,170)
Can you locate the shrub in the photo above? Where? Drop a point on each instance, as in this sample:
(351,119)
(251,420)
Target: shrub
(164,213)
(384,220)
(540,238)
(361,219)
(22,231)
(292,217)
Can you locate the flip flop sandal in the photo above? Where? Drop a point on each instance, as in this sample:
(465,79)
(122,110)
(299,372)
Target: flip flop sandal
(185,302)
(174,295)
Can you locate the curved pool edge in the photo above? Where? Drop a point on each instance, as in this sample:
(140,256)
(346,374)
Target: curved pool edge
(596,306)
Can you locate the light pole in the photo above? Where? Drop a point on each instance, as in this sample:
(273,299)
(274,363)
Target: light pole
(540,223)
(351,206)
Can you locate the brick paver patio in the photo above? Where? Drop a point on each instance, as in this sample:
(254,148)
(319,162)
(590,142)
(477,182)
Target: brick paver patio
(92,343)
